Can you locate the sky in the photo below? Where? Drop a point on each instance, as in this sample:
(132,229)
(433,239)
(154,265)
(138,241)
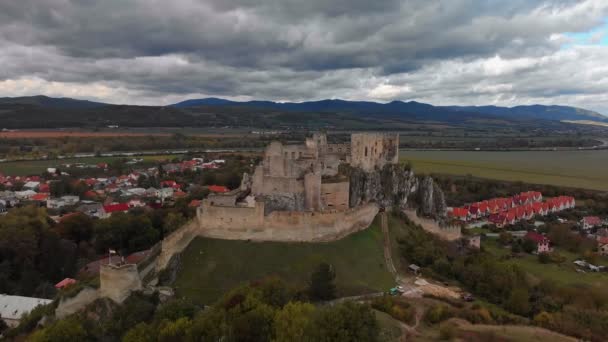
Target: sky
(452,52)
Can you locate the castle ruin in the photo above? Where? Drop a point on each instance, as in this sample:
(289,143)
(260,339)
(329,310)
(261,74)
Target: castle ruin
(297,193)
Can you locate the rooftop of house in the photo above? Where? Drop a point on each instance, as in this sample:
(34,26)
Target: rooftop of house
(13,307)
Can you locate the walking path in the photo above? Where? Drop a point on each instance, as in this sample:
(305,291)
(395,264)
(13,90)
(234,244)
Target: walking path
(388,257)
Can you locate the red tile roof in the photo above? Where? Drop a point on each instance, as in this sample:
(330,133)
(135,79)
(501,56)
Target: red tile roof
(40,197)
(112,208)
(592,220)
(538,238)
(195,203)
(65,283)
(218,188)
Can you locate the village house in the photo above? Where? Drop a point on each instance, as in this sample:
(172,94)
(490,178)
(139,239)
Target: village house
(110,209)
(542,242)
(589,222)
(63,201)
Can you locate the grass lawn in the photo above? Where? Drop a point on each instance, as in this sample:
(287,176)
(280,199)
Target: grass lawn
(211,267)
(563,274)
(36,167)
(583,169)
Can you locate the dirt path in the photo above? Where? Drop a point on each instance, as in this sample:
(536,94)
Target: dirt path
(388,257)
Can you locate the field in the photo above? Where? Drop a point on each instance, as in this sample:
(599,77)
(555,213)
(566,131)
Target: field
(36,167)
(581,169)
(73,134)
(564,274)
(209,267)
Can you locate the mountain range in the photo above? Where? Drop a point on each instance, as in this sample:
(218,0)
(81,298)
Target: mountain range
(48,112)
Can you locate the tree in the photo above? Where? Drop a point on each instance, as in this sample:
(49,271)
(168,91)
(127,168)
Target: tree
(78,227)
(505,238)
(65,330)
(528,245)
(322,283)
(174,331)
(292,323)
(140,333)
(519,301)
(344,323)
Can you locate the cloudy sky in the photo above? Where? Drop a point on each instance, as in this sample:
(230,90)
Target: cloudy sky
(440,52)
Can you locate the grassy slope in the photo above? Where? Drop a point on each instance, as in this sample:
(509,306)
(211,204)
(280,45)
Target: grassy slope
(210,267)
(584,169)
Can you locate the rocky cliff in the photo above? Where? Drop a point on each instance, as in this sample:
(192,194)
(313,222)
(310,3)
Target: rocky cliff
(394,185)
(390,186)
(431,200)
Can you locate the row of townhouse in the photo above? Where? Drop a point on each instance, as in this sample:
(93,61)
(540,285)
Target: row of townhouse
(495,205)
(528,211)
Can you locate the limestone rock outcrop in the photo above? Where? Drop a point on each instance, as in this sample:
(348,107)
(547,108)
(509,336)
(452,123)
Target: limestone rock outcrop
(431,199)
(389,186)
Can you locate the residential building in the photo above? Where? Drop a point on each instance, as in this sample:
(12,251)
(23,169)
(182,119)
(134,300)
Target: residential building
(589,222)
(12,308)
(542,242)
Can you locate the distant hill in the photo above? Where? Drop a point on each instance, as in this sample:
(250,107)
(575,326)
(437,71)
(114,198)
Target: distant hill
(413,109)
(48,112)
(50,102)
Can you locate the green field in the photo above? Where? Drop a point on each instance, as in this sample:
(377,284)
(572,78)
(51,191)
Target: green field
(36,167)
(581,169)
(562,274)
(210,267)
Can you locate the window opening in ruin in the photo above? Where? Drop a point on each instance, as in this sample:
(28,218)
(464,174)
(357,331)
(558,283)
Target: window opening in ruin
(293,155)
(366,151)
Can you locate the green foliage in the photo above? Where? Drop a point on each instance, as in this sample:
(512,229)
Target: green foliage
(293,322)
(528,245)
(65,330)
(142,332)
(437,313)
(344,323)
(177,330)
(126,232)
(397,309)
(175,309)
(33,256)
(322,285)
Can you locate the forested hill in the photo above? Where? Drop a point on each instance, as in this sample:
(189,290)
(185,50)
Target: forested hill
(47,112)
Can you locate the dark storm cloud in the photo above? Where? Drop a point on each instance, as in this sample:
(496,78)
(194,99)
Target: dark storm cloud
(290,49)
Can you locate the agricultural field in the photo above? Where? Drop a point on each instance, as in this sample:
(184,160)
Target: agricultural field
(210,266)
(580,169)
(36,167)
(20,134)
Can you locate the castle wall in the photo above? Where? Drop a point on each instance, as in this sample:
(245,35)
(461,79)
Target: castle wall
(335,195)
(117,282)
(291,225)
(312,191)
(265,185)
(370,151)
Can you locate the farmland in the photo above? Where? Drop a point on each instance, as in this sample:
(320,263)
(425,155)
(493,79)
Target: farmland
(36,167)
(209,266)
(582,169)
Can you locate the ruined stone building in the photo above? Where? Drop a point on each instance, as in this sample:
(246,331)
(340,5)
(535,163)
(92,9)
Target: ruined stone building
(313,191)
(306,177)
